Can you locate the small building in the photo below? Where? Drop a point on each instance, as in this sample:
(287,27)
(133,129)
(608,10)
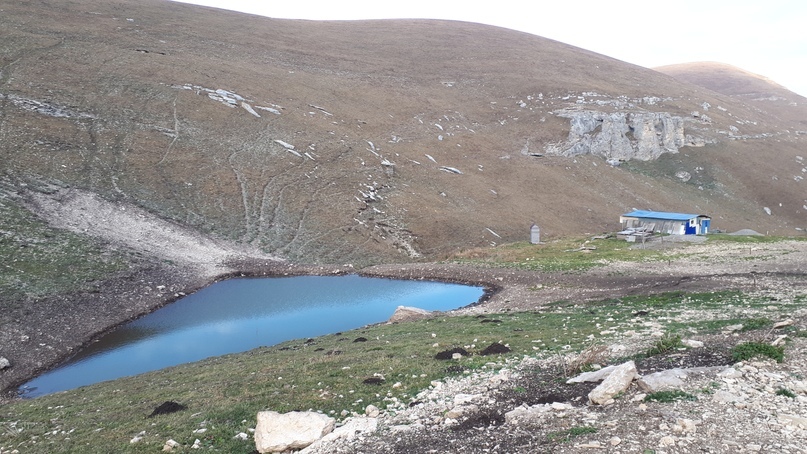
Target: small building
(664,222)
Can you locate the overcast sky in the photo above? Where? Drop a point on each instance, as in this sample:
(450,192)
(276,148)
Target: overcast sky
(764,37)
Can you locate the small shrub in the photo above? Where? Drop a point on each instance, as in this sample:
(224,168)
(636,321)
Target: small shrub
(564,436)
(749,350)
(669,396)
(785,392)
(666,344)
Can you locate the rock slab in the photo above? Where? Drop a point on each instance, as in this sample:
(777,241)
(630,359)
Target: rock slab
(616,382)
(278,432)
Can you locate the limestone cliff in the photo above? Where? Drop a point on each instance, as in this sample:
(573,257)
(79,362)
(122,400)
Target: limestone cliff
(622,136)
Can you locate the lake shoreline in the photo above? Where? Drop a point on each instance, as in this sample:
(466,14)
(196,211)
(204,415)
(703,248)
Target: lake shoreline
(125,297)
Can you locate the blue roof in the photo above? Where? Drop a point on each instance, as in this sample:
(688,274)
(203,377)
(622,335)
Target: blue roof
(661,215)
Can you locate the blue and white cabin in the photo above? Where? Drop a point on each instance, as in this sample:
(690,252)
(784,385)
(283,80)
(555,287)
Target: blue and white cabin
(664,222)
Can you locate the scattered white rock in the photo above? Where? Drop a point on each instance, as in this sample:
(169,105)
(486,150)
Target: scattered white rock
(348,431)
(4,363)
(137,438)
(372,411)
(170,445)
(795,421)
(450,170)
(783,323)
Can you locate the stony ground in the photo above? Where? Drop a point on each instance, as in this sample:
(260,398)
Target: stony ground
(735,409)
(738,407)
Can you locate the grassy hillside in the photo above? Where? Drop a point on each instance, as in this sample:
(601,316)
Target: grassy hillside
(192,113)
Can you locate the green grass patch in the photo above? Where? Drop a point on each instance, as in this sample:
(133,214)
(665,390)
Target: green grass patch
(751,350)
(225,393)
(565,436)
(565,255)
(785,392)
(669,396)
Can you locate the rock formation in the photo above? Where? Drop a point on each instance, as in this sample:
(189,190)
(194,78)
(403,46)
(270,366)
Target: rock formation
(621,136)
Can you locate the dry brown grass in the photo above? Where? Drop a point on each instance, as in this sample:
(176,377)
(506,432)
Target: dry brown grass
(338,86)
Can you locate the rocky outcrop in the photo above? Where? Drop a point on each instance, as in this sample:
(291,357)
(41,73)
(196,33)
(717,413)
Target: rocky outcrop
(622,136)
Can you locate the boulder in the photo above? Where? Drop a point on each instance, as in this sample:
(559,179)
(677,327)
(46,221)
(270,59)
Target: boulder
(4,363)
(408,314)
(593,376)
(670,379)
(278,432)
(616,382)
(664,380)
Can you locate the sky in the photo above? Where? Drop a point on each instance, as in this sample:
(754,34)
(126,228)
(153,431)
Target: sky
(768,38)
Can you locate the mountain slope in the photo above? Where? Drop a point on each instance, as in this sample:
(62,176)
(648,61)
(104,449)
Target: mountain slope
(771,98)
(362,141)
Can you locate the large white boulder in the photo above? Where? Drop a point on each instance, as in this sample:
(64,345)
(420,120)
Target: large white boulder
(278,432)
(616,382)
(407,314)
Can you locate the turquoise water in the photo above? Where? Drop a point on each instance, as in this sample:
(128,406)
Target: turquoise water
(241,314)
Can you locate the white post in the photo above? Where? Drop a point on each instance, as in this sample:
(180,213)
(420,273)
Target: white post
(535,234)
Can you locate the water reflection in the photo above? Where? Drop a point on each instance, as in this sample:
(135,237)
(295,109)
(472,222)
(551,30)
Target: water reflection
(240,314)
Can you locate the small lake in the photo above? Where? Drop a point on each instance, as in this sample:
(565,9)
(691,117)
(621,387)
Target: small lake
(237,315)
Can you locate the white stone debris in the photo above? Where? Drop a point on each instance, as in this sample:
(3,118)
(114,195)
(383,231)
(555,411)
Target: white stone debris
(450,170)
(249,109)
(44,108)
(269,109)
(321,109)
